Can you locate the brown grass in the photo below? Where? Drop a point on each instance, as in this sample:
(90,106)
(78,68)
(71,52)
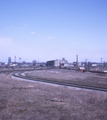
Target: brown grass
(24,100)
(84,78)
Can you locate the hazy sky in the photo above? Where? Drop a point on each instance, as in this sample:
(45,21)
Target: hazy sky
(51,29)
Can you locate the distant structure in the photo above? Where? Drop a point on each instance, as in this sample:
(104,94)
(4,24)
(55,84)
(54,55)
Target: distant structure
(15,59)
(56,63)
(9,60)
(34,62)
(20,59)
(77,60)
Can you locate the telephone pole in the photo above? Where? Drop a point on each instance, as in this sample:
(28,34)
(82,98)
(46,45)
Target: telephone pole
(101,64)
(86,64)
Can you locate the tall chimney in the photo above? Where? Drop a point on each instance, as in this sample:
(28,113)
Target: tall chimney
(77,60)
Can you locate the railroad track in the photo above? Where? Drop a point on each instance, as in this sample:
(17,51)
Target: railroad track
(70,84)
(16,70)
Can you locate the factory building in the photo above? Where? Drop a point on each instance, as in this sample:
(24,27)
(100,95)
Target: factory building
(56,63)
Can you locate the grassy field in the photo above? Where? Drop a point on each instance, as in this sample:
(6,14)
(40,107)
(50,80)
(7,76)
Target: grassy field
(84,78)
(25,100)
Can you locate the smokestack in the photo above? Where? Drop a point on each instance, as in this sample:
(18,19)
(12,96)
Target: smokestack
(77,60)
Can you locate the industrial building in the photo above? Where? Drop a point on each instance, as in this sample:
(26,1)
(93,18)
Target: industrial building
(56,63)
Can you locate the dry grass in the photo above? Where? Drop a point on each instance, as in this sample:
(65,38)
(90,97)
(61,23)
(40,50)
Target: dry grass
(24,100)
(84,78)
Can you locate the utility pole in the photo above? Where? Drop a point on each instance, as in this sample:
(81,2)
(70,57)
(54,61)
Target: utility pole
(101,64)
(86,63)
(20,59)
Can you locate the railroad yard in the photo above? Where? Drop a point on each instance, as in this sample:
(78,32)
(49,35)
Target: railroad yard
(71,76)
(53,61)
(27,100)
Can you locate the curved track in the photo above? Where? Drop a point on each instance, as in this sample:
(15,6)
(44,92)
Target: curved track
(22,76)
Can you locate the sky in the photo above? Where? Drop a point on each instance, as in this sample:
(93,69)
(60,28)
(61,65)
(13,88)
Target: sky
(45,30)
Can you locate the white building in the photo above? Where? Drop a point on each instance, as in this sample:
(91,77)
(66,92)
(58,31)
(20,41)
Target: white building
(56,63)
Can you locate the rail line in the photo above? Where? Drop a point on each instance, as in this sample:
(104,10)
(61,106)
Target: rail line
(16,70)
(70,84)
